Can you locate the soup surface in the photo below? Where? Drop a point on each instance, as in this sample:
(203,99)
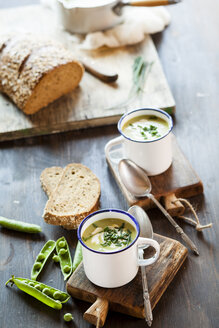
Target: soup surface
(108,235)
(145,128)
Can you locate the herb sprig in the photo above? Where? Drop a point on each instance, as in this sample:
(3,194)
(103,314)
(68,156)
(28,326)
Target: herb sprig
(140,71)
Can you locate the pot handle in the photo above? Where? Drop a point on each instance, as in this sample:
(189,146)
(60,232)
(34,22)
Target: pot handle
(151,3)
(144,243)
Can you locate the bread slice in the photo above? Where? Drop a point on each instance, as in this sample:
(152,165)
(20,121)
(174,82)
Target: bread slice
(49,179)
(76,196)
(35,72)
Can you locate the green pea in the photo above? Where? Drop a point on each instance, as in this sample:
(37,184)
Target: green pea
(37,265)
(66,268)
(68,317)
(40,257)
(55,258)
(37,286)
(46,291)
(31,284)
(62,251)
(56,295)
(62,243)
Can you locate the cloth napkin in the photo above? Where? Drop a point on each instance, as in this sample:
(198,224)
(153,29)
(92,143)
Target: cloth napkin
(138,21)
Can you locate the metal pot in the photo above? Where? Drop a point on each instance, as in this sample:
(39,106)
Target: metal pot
(77,17)
(85,16)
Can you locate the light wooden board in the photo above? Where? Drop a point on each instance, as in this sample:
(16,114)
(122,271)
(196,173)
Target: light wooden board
(180,179)
(93,103)
(129,299)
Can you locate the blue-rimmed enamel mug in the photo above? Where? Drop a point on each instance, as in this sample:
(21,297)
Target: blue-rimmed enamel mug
(154,156)
(119,267)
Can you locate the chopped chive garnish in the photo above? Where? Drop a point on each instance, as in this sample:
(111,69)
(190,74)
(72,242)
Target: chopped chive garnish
(122,226)
(152,127)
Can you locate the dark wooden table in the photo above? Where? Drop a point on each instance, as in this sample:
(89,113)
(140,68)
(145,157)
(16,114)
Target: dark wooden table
(189,52)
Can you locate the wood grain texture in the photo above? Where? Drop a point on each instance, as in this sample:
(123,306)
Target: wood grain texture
(128,299)
(97,312)
(188,50)
(180,179)
(173,206)
(85,106)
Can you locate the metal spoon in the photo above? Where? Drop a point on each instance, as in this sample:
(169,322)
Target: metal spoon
(146,231)
(137,182)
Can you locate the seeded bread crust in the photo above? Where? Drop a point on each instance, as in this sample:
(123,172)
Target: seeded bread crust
(27,62)
(76,195)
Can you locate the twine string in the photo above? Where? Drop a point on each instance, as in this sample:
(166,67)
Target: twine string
(98,317)
(196,222)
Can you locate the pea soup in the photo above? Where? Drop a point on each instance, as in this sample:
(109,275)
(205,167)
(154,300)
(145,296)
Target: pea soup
(145,128)
(109,235)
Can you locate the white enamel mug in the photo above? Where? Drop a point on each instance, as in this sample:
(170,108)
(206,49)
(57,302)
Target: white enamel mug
(154,156)
(116,268)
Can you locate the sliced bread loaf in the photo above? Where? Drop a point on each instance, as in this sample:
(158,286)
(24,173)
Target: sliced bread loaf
(75,196)
(49,179)
(35,72)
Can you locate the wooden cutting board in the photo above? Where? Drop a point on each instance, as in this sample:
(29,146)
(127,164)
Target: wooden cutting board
(179,181)
(93,103)
(129,299)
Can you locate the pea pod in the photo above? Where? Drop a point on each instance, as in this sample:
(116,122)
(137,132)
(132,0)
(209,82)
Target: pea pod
(41,258)
(78,256)
(65,260)
(19,225)
(45,294)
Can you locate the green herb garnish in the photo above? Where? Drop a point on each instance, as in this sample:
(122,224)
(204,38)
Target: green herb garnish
(140,71)
(117,236)
(152,127)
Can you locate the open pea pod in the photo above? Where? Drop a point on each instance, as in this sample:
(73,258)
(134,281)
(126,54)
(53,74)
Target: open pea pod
(42,258)
(48,295)
(64,254)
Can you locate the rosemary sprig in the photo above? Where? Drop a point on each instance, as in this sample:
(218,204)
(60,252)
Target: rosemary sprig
(140,71)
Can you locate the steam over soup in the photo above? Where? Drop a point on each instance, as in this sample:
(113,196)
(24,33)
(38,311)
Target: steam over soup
(109,235)
(145,128)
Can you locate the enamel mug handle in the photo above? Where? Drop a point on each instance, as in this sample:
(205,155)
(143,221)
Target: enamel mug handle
(114,142)
(145,242)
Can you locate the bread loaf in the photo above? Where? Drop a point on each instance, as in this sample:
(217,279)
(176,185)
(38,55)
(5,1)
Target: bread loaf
(33,73)
(75,196)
